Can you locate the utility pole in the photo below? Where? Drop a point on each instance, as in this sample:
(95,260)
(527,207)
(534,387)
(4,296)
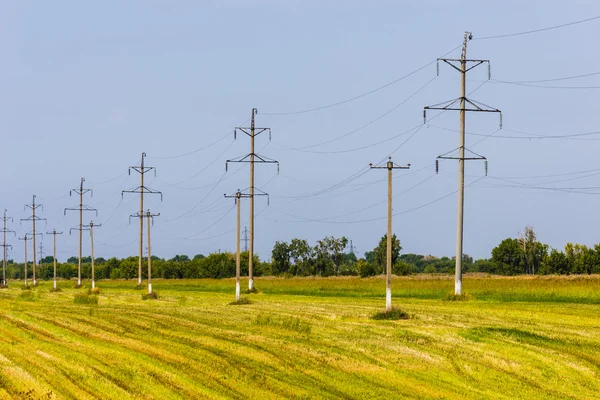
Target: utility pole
(81,208)
(390,166)
(4,246)
(150,218)
(461,66)
(54,233)
(141,169)
(245,238)
(251,157)
(41,257)
(25,238)
(91,229)
(33,220)
(238,201)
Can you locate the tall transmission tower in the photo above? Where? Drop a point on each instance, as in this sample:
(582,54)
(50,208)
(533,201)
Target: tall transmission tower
(141,169)
(90,227)
(4,246)
(390,166)
(251,158)
(245,238)
(81,208)
(461,66)
(25,238)
(238,201)
(54,233)
(34,218)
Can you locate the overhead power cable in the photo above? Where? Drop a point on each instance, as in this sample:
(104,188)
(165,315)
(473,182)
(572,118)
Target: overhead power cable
(538,30)
(363,94)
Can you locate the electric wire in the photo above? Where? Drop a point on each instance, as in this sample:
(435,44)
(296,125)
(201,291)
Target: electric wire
(538,30)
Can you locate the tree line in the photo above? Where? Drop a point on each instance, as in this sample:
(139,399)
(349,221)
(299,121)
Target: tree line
(328,257)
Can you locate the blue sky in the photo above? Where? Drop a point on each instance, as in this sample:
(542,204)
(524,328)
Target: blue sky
(87,87)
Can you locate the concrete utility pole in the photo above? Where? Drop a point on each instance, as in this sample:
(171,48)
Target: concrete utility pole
(25,238)
(81,208)
(4,246)
(54,233)
(462,108)
(91,229)
(238,201)
(388,288)
(251,158)
(41,257)
(150,218)
(141,169)
(33,220)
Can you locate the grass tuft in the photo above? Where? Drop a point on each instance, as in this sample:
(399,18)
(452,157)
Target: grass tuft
(457,297)
(55,289)
(27,296)
(139,287)
(392,315)
(95,291)
(254,290)
(25,287)
(241,301)
(152,295)
(79,286)
(287,323)
(3,286)
(84,298)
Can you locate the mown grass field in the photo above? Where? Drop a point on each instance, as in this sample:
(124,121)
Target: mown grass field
(305,338)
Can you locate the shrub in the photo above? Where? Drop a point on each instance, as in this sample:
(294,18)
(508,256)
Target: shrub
(393,314)
(84,298)
(139,287)
(430,269)
(95,291)
(241,301)
(253,290)
(79,286)
(152,295)
(55,289)
(25,287)
(457,297)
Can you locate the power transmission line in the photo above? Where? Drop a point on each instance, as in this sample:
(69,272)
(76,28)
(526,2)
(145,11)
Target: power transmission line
(81,208)
(141,169)
(250,158)
(5,246)
(34,218)
(539,30)
(360,95)
(474,106)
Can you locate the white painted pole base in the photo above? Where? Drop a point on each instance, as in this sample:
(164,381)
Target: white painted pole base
(54,284)
(34,283)
(149,288)
(79,282)
(458,288)
(237,291)
(93,285)
(139,281)
(388,299)
(251,284)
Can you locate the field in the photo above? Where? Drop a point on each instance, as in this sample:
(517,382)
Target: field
(304,338)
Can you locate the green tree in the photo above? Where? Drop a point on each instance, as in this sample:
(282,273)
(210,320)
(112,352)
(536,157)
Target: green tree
(381,252)
(280,257)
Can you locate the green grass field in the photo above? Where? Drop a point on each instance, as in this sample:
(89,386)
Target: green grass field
(305,338)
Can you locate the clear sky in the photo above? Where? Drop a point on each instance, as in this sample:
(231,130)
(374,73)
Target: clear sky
(86,87)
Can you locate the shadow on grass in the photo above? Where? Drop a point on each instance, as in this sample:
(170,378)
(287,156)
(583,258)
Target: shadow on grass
(241,301)
(391,315)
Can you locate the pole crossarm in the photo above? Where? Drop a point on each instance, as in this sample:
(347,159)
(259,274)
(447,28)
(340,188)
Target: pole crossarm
(251,158)
(145,214)
(144,190)
(389,165)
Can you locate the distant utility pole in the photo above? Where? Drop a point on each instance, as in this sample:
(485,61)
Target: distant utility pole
(351,247)
(150,218)
(25,238)
(251,157)
(461,66)
(54,233)
(388,289)
(90,227)
(81,208)
(141,169)
(41,257)
(245,238)
(4,246)
(238,201)
(33,220)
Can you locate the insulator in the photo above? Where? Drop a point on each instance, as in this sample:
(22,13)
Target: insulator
(226,164)
(438,67)
(500,120)
(489,71)
(486,167)
(277,168)
(234,134)
(424,116)
(269,135)
(437,166)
